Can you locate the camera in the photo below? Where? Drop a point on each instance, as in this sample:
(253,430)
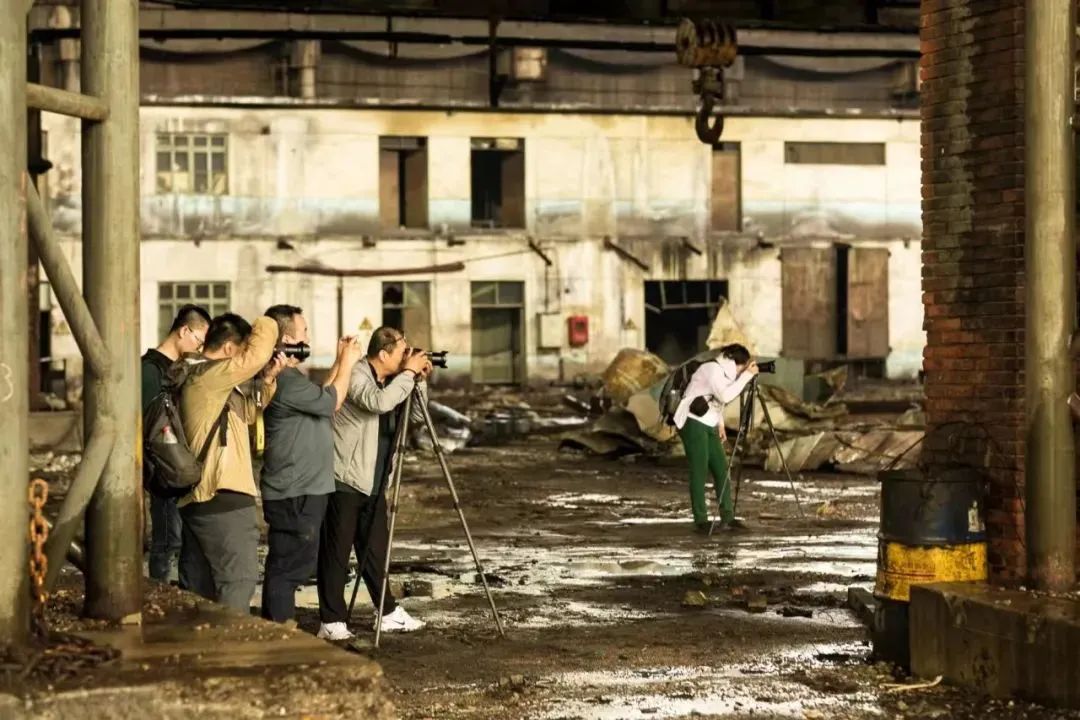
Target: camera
(767,367)
(298,351)
(437,357)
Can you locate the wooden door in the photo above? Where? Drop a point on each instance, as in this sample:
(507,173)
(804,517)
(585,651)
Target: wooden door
(868,303)
(808,276)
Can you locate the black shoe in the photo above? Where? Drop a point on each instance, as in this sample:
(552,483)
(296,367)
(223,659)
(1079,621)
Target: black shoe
(703,528)
(734,524)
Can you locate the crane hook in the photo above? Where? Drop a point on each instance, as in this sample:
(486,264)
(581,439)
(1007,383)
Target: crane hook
(708,129)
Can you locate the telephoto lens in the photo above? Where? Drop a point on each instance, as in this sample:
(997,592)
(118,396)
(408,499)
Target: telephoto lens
(437,357)
(297,351)
(767,367)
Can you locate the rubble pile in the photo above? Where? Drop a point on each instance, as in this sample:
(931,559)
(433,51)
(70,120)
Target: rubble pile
(495,418)
(812,436)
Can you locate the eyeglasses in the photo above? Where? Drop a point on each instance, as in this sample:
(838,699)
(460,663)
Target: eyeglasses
(389,347)
(199,339)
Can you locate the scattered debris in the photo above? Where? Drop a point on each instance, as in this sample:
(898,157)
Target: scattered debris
(726,330)
(790,611)
(576,404)
(512,682)
(915,417)
(897,688)
(448,415)
(631,371)
(695,598)
(435,588)
(848,451)
(863,604)
(756,602)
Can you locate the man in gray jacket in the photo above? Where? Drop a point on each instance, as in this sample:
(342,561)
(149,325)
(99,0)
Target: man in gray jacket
(298,466)
(364,432)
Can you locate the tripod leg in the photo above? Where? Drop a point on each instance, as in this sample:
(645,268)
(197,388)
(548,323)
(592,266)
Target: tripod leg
(461,516)
(399,459)
(736,456)
(780,451)
(361,557)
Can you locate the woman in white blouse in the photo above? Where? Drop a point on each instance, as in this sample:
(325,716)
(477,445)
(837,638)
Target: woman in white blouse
(700,420)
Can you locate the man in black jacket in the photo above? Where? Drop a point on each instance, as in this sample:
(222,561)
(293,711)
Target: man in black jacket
(186,335)
(298,465)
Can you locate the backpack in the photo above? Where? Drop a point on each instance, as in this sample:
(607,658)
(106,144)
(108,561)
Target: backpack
(170,467)
(671,394)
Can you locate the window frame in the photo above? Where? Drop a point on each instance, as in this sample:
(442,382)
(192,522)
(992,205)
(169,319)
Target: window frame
(169,306)
(196,148)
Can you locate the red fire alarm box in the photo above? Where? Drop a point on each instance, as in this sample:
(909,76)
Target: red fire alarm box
(578,330)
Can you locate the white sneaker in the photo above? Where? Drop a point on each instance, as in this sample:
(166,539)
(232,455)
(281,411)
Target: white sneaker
(334,632)
(401,621)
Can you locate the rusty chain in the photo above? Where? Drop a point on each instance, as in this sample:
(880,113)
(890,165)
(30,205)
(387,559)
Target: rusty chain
(38,493)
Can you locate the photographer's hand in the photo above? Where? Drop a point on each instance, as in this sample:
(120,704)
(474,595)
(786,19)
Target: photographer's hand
(416,362)
(752,368)
(278,363)
(349,352)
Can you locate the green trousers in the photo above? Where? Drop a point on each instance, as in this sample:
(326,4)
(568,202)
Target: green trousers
(705,453)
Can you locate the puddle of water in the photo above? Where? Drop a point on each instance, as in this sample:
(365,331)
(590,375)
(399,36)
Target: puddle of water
(868,490)
(741,688)
(574,614)
(642,521)
(576,501)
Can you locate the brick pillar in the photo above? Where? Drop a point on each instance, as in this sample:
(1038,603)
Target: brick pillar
(973,253)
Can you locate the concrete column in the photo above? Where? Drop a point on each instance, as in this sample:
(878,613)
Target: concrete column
(14,438)
(1050,280)
(110,70)
(305,59)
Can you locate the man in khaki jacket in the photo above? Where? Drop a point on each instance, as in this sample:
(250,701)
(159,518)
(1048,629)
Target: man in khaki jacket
(218,555)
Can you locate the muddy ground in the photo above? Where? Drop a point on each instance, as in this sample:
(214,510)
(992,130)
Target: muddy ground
(593,561)
(613,608)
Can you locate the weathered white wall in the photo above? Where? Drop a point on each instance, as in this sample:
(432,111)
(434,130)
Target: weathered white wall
(311,176)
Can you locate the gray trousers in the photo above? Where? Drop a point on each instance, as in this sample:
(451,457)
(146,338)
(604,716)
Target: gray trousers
(219,552)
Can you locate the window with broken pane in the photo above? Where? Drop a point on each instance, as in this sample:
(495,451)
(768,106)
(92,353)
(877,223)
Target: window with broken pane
(192,164)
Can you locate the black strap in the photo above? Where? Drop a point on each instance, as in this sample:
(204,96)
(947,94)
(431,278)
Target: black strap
(221,427)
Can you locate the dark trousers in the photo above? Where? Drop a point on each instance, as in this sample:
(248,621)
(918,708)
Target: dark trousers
(705,453)
(349,517)
(293,537)
(219,553)
(164,536)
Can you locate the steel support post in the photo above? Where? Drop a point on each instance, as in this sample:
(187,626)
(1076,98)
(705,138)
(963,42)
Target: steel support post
(14,351)
(1050,282)
(98,448)
(110,61)
(83,328)
(35,166)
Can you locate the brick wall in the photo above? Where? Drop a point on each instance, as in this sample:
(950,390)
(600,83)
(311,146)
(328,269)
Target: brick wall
(973,253)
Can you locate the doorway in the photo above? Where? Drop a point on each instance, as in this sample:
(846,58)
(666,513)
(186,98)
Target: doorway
(679,315)
(835,303)
(498,332)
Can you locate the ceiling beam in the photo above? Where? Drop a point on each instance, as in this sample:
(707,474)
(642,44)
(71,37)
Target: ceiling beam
(211,24)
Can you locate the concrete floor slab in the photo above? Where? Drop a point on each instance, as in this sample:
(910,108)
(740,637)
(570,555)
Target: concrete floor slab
(1005,642)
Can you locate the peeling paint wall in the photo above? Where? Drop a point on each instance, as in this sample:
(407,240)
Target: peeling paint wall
(310,177)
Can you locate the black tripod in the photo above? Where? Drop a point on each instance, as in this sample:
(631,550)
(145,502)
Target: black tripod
(746,423)
(395,485)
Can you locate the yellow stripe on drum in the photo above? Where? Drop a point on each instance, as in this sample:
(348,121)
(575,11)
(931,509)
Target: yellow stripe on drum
(901,566)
